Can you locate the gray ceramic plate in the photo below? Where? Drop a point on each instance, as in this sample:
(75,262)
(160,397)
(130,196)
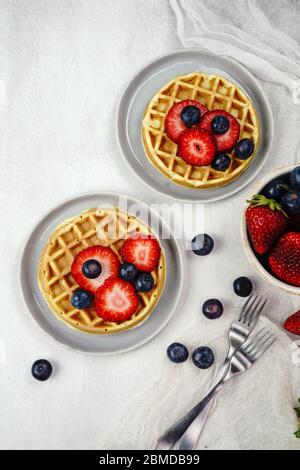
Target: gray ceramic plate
(150,79)
(83,342)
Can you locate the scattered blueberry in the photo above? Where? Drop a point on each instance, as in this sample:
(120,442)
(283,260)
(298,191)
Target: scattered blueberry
(144,282)
(242,286)
(291,202)
(275,189)
(295,178)
(41,369)
(81,298)
(212,309)
(221,162)
(244,149)
(190,115)
(203,357)
(202,244)
(219,124)
(91,268)
(128,272)
(177,353)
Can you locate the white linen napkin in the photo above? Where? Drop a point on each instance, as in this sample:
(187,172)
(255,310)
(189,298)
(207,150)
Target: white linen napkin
(262,35)
(253,411)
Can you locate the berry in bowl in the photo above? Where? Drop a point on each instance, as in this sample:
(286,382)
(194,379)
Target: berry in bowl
(271,228)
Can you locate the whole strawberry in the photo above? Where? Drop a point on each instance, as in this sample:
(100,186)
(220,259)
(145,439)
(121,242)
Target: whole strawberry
(292,324)
(265,222)
(284,260)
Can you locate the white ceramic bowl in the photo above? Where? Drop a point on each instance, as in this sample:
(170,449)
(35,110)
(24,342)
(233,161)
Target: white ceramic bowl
(251,255)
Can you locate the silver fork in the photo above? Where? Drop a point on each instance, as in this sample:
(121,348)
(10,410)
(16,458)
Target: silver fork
(241,327)
(241,361)
(239,331)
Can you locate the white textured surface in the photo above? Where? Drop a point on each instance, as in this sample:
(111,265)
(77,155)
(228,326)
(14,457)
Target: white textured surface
(64,65)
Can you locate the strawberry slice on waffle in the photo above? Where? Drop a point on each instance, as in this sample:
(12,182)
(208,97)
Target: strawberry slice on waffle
(197,147)
(116,300)
(174,125)
(143,251)
(227,140)
(109,263)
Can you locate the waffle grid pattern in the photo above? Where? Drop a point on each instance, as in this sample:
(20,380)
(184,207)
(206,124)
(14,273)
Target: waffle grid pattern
(92,227)
(214,92)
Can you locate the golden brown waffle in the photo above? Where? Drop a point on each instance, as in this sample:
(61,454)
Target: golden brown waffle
(92,227)
(214,92)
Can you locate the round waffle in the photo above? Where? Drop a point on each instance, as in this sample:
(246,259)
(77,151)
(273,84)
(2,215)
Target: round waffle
(214,92)
(106,227)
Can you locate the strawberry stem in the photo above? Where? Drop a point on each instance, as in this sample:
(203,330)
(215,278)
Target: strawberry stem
(261,200)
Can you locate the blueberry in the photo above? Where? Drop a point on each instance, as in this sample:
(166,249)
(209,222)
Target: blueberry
(244,149)
(212,309)
(41,369)
(221,162)
(202,244)
(128,272)
(219,124)
(177,353)
(190,115)
(144,282)
(275,189)
(295,178)
(291,202)
(242,286)
(203,357)
(91,268)
(81,298)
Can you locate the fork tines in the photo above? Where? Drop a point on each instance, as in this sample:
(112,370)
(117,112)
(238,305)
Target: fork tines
(255,346)
(251,309)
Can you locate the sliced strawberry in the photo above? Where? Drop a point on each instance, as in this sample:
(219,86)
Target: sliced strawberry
(197,147)
(292,324)
(226,141)
(173,123)
(143,251)
(109,266)
(116,300)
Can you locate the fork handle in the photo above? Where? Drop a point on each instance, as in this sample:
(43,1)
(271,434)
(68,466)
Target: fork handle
(195,428)
(169,439)
(189,438)
(175,432)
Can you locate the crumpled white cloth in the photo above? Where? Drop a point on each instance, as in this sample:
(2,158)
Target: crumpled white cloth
(262,35)
(255,410)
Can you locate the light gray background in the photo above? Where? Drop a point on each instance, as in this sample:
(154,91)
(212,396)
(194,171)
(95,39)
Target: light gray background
(64,65)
